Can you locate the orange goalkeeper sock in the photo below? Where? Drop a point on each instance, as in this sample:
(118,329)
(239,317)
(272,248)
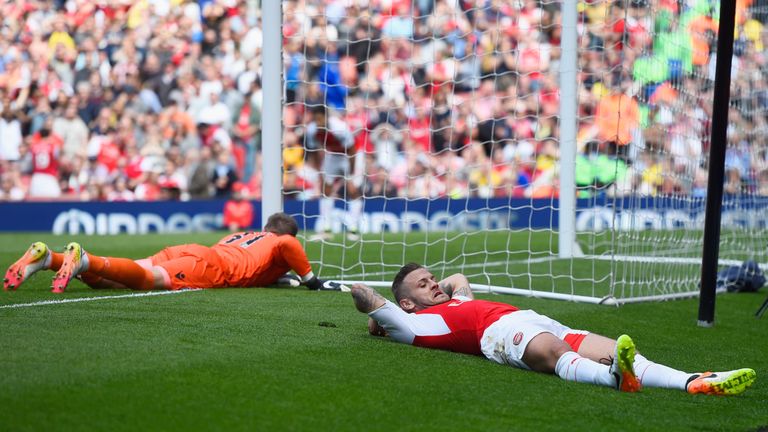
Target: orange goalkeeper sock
(56,259)
(122,270)
(91,279)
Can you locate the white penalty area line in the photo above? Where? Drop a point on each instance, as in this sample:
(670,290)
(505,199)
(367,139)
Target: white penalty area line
(88,299)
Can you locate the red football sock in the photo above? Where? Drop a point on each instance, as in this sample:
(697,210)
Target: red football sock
(121,270)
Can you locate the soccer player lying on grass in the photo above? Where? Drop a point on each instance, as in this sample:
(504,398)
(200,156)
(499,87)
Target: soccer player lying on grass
(444,315)
(243,259)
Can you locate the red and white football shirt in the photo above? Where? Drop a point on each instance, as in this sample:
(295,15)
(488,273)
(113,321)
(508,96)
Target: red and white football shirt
(457,325)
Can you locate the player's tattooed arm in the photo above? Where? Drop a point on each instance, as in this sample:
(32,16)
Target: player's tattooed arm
(366,298)
(456,285)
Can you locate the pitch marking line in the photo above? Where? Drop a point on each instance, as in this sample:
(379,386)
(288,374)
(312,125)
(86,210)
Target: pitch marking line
(87,299)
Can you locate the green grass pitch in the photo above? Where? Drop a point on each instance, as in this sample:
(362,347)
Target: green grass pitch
(259,359)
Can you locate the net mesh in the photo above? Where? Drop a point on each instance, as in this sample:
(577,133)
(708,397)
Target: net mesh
(662,118)
(452,109)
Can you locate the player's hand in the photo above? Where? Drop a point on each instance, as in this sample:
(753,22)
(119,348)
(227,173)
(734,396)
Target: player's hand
(288,280)
(375,329)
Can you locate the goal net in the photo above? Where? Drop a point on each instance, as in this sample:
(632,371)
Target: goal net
(447,133)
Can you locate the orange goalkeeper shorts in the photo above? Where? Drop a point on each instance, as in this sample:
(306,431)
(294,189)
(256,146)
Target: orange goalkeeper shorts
(190,266)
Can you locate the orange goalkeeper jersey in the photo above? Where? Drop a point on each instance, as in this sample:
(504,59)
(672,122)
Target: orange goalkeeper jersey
(260,258)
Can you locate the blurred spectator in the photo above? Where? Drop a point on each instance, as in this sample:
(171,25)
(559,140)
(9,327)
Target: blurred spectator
(169,190)
(215,112)
(377,183)
(224,176)
(617,117)
(238,211)
(150,92)
(198,167)
(386,143)
(73,132)
(149,187)
(332,142)
(247,129)
(10,132)
(120,191)
(44,150)
(10,187)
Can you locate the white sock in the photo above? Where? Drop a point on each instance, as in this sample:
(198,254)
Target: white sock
(355,210)
(85,262)
(653,374)
(47,261)
(573,367)
(326,214)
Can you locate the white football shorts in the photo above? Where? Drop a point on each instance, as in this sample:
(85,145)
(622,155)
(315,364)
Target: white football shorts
(505,340)
(336,167)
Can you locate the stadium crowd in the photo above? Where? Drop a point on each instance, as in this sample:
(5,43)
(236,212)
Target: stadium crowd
(161,99)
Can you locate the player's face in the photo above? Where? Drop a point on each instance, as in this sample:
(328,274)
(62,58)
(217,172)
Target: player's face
(423,290)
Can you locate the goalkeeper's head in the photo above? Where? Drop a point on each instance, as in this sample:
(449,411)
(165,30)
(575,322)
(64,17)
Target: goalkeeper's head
(282,223)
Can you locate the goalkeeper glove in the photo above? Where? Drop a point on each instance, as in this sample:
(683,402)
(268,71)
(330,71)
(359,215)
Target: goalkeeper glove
(317,284)
(288,280)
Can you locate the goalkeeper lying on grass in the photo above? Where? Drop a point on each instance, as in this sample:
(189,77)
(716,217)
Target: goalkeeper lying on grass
(444,315)
(243,259)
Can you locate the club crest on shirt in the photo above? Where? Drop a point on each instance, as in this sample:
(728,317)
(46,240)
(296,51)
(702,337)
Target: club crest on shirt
(517,338)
